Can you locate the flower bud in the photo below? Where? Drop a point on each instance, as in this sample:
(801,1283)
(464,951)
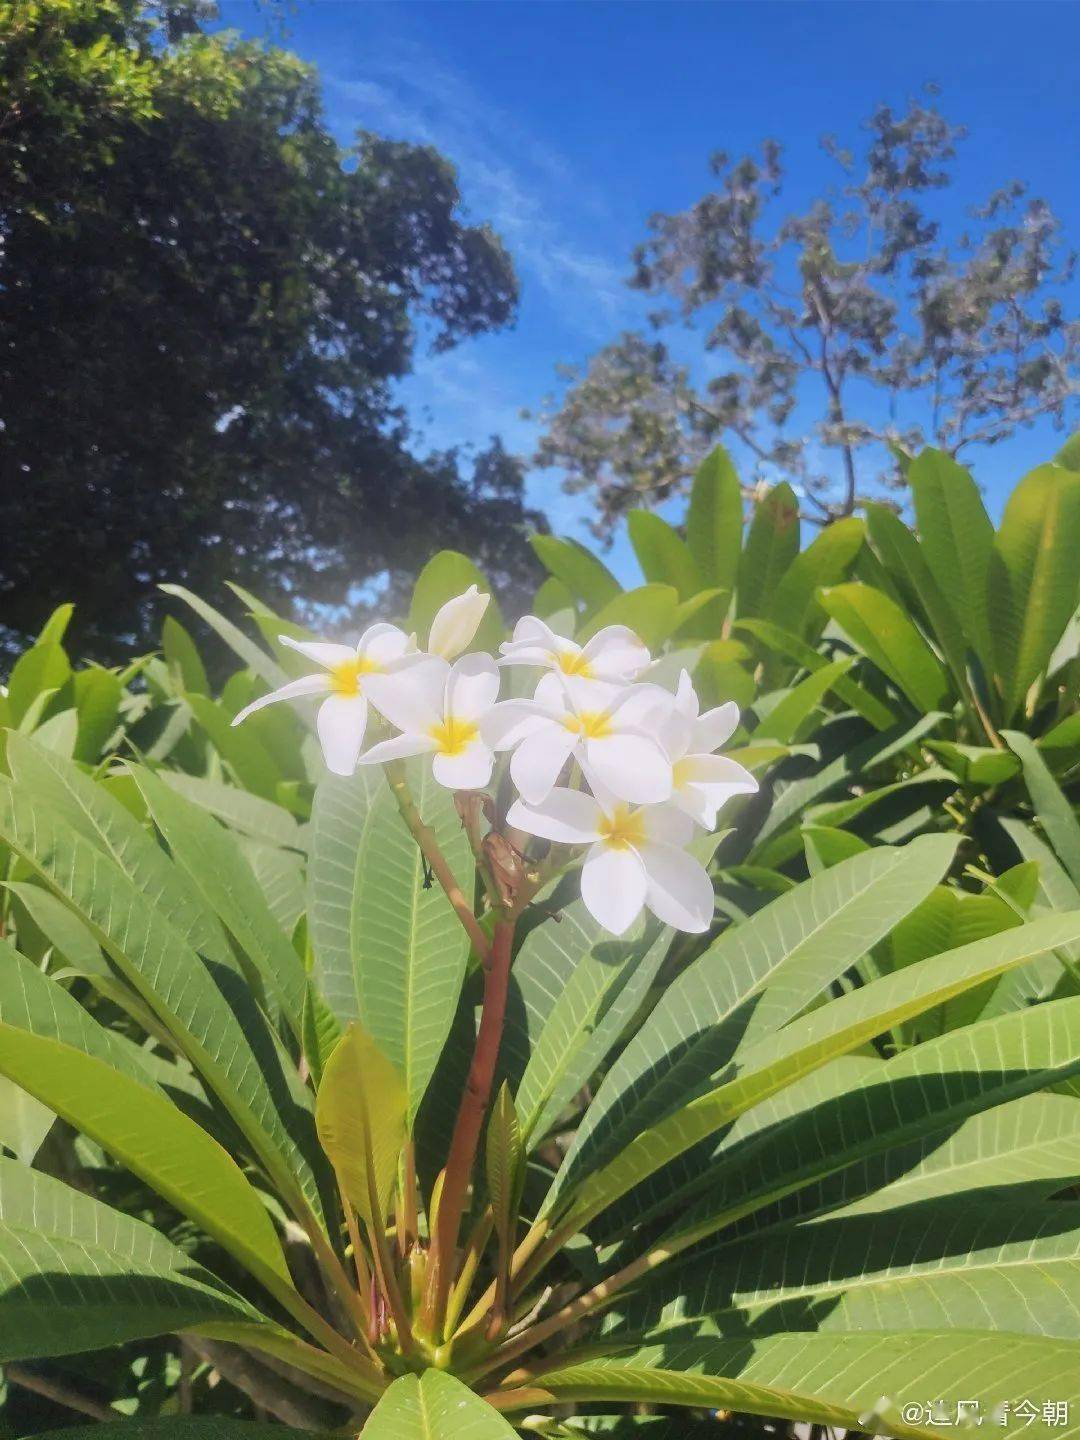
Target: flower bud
(456,624)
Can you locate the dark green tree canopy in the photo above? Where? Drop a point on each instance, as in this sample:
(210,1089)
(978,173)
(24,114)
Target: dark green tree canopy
(830,336)
(204,306)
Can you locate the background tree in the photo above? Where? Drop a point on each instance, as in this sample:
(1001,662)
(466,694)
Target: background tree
(204,305)
(830,336)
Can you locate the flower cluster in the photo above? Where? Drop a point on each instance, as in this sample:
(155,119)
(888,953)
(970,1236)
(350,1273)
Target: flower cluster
(600,756)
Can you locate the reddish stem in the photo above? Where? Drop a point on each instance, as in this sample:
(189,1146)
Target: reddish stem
(467,1127)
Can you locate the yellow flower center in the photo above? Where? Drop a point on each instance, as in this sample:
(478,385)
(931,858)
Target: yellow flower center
(680,773)
(590,724)
(573,662)
(453,737)
(623,829)
(345,678)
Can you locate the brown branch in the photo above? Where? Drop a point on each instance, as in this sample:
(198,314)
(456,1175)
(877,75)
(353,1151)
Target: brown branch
(470,1119)
(283,1400)
(429,846)
(60,1393)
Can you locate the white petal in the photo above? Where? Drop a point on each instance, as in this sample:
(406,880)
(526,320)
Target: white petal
(667,824)
(646,707)
(526,655)
(341,722)
(568,816)
(679,892)
(323,652)
(717,770)
(471,770)
(456,623)
(694,801)
(535,764)
(585,695)
(552,694)
(511,721)
(613,886)
(412,698)
(399,747)
(616,653)
(716,727)
(383,643)
(686,699)
(473,687)
(531,630)
(306,685)
(633,767)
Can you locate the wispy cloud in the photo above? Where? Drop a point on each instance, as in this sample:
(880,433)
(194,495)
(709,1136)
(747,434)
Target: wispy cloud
(507,176)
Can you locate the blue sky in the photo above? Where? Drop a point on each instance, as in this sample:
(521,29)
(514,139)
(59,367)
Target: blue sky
(570,121)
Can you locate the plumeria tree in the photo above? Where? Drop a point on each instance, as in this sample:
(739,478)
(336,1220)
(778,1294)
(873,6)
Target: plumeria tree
(465,1106)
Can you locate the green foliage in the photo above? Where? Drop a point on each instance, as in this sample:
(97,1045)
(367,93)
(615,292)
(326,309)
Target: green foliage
(160,186)
(789,1168)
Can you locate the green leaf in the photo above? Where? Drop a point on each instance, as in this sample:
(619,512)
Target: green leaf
(504,1155)
(227,1041)
(55,628)
(783,642)
(751,982)
(826,561)
(61,927)
(905,559)
(1034,577)
(321,1033)
(1056,815)
(145,1132)
(242,749)
(855,1122)
(217,869)
(251,654)
(261,819)
(956,538)
(944,1265)
(389,949)
(771,547)
(792,798)
(651,611)
(183,659)
(42,668)
(445,576)
(97,703)
(360,1115)
(577,568)
(839,1380)
(784,720)
(664,556)
(714,520)
(881,630)
(81,1276)
(434,1406)
(101,819)
(801,1048)
(591,999)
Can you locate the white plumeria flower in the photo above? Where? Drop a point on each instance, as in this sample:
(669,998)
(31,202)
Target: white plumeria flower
(701,781)
(635,858)
(611,730)
(613,653)
(344,678)
(457,622)
(438,707)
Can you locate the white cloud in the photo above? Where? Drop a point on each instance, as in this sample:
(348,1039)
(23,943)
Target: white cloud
(507,177)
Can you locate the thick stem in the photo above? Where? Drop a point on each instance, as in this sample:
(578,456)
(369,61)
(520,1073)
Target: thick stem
(429,846)
(470,1119)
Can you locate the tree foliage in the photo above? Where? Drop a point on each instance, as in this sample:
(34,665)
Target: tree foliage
(831,334)
(204,306)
